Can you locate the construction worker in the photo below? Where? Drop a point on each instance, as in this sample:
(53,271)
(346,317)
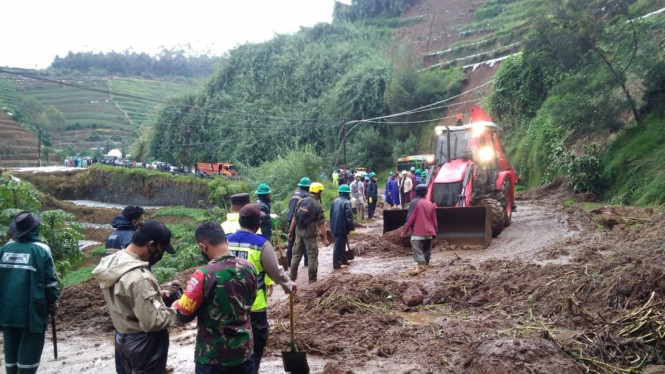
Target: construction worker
(335,177)
(246,244)
(358,193)
(421,220)
(28,294)
(341,225)
(231,224)
(414,183)
(220,296)
(301,193)
(405,187)
(372,195)
(264,193)
(419,178)
(307,218)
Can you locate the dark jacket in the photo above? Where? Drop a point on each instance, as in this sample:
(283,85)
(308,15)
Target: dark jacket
(297,196)
(266,223)
(421,218)
(341,216)
(372,191)
(122,236)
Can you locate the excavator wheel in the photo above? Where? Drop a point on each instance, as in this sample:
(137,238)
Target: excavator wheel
(497,215)
(505,200)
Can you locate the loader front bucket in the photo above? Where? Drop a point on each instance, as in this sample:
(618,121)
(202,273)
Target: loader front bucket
(464,226)
(394,219)
(459,226)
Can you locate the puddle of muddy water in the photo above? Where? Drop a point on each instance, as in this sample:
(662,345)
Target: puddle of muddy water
(419,318)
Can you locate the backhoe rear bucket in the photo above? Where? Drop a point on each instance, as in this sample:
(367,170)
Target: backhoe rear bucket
(460,226)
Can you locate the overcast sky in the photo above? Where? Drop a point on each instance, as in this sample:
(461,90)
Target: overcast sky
(35,31)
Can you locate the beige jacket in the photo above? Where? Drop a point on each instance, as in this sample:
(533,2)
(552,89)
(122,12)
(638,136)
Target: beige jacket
(132,294)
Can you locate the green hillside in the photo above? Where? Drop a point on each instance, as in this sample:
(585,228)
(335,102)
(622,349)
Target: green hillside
(86,112)
(142,112)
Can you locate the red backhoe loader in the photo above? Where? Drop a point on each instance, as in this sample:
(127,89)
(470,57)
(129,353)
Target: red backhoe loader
(471,182)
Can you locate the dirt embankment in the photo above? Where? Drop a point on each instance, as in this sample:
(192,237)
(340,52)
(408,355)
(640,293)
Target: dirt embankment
(560,291)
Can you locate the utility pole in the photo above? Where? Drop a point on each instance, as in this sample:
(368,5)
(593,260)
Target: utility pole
(39,147)
(344,144)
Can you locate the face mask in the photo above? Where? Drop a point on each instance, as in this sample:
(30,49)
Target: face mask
(155,257)
(204,254)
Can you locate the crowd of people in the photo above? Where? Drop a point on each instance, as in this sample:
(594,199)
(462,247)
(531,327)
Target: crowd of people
(228,296)
(363,188)
(401,187)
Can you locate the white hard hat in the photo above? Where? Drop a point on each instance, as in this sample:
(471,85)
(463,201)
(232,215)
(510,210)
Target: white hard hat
(403,172)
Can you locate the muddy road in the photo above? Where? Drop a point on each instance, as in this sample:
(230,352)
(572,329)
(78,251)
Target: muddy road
(554,293)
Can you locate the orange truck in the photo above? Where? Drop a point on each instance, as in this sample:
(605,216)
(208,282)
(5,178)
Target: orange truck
(223,168)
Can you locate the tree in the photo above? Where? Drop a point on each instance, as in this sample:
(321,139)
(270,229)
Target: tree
(590,32)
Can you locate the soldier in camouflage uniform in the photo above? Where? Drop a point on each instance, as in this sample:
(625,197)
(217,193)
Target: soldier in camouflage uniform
(220,296)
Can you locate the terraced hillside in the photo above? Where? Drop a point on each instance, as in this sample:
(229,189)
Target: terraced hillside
(97,110)
(18,146)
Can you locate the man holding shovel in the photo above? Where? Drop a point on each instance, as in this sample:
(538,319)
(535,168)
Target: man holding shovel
(246,244)
(28,294)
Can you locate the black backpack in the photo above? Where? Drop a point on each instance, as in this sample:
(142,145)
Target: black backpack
(305,213)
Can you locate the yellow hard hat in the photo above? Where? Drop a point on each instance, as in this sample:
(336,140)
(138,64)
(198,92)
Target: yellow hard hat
(315,187)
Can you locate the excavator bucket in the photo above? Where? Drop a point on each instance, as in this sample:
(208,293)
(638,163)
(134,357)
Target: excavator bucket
(393,219)
(460,226)
(465,226)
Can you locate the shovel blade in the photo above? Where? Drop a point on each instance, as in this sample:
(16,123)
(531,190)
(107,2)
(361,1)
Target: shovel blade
(295,362)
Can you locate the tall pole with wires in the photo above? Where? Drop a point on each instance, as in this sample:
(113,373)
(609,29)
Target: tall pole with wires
(39,147)
(344,144)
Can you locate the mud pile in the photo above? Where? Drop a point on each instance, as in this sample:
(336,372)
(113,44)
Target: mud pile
(603,310)
(589,303)
(82,309)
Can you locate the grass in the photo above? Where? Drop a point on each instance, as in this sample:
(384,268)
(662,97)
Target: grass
(587,207)
(569,202)
(633,165)
(100,250)
(196,214)
(77,276)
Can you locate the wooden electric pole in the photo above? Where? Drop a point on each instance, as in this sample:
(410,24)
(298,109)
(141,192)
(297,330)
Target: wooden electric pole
(39,147)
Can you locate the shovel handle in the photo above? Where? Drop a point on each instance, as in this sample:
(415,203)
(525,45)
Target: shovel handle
(292,318)
(279,242)
(55,337)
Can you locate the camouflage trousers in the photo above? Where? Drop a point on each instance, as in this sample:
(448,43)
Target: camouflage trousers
(302,245)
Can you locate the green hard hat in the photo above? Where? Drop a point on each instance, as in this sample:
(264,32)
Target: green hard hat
(344,188)
(263,189)
(424,172)
(390,173)
(304,182)
(372,174)
(418,171)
